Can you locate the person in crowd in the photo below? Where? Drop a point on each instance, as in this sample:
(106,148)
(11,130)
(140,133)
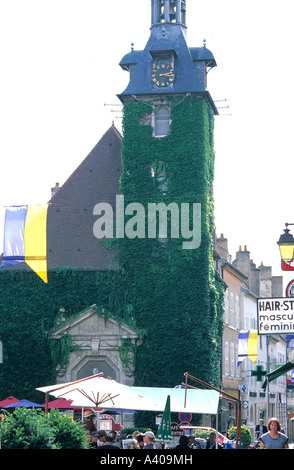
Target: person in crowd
(211,442)
(140,442)
(193,444)
(122,437)
(274,438)
(93,440)
(133,443)
(260,429)
(101,438)
(149,439)
(113,434)
(135,438)
(88,423)
(109,443)
(183,443)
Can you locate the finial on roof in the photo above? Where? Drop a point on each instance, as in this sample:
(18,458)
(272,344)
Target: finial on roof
(204,42)
(132,46)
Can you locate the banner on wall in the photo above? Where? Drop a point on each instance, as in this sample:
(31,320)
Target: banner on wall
(25,238)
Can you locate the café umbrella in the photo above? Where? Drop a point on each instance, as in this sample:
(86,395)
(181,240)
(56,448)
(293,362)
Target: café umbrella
(164,433)
(8,401)
(62,404)
(24,404)
(96,391)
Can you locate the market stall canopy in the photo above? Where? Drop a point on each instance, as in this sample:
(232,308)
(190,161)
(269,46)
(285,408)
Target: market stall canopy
(197,401)
(96,391)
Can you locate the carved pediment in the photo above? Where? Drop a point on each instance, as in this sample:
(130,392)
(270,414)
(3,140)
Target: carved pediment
(92,323)
(99,342)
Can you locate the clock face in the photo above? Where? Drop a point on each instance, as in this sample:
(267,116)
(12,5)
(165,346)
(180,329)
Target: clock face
(163,73)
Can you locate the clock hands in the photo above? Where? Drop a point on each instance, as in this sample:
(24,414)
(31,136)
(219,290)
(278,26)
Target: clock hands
(168,74)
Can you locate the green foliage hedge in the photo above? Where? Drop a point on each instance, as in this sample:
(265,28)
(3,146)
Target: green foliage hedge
(177,297)
(32,429)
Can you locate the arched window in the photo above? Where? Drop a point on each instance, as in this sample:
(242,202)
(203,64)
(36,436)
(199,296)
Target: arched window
(161,121)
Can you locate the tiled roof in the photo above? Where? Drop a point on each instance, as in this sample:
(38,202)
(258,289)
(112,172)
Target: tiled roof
(70,238)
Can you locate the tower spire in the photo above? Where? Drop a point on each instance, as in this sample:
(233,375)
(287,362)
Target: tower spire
(168,11)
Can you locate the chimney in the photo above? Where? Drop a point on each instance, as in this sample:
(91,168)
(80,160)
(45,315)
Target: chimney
(242,261)
(222,247)
(55,189)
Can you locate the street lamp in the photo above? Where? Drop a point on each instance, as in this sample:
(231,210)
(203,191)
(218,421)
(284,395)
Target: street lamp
(286,245)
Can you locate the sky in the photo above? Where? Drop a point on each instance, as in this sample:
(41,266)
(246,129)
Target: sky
(59,81)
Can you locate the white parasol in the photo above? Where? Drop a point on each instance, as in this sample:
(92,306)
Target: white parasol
(96,391)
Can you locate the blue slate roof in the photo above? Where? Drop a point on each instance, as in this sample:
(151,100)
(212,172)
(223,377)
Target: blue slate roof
(201,54)
(172,38)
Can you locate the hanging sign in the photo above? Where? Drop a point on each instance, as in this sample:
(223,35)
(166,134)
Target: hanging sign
(176,430)
(258,373)
(290,289)
(275,315)
(287,265)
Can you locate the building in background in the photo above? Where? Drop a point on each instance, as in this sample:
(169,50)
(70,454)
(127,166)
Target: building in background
(244,286)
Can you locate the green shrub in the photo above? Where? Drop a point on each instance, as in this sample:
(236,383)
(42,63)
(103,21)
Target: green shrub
(27,429)
(202,433)
(246,436)
(32,429)
(68,433)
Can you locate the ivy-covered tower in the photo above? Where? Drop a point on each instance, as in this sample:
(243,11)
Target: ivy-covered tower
(167,179)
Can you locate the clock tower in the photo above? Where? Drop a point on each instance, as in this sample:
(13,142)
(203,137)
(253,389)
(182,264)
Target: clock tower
(167,65)
(168,163)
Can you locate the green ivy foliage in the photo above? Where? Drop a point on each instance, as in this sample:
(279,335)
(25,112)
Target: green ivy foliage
(29,309)
(177,298)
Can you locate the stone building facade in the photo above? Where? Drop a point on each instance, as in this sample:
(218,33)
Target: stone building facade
(100,344)
(245,284)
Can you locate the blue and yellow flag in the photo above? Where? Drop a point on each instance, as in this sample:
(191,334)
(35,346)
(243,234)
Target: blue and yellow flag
(25,238)
(247,345)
